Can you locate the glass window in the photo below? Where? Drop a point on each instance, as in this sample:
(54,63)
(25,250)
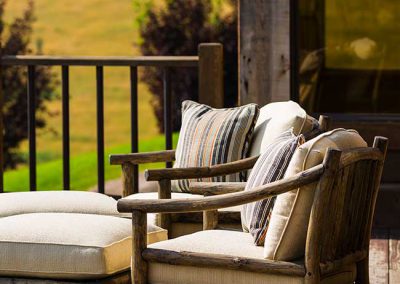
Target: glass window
(349,56)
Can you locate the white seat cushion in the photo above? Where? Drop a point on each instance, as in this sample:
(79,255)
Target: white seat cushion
(223,242)
(67,246)
(57,201)
(227,243)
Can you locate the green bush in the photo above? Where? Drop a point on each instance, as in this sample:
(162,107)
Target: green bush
(15,38)
(178,29)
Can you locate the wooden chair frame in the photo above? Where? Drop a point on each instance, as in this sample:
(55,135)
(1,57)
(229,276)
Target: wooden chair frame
(165,176)
(346,192)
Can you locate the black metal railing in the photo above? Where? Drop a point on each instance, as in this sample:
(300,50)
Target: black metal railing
(165,62)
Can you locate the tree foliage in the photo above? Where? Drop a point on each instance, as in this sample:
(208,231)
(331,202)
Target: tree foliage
(178,29)
(15,38)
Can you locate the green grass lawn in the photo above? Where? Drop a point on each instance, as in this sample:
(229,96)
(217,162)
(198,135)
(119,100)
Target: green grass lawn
(83,169)
(90,27)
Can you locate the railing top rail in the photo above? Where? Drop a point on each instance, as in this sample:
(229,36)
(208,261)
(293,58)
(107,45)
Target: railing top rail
(162,61)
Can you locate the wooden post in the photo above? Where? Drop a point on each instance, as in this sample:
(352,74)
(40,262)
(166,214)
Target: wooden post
(128,179)
(210,219)
(380,143)
(164,192)
(325,123)
(264,51)
(211,74)
(312,255)
(139,244)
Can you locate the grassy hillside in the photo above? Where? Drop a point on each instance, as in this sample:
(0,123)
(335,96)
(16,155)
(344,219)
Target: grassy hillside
(90,27)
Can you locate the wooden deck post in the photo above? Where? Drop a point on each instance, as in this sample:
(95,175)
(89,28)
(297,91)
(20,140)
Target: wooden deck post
(264,51)
(211,74)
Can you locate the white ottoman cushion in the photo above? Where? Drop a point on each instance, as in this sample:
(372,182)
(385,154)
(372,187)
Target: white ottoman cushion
(57,202)
(67,246)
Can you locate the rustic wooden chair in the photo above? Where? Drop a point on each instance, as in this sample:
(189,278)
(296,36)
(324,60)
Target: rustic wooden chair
(346,185)
(181,224)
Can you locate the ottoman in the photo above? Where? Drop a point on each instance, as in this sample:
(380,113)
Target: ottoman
(65,244)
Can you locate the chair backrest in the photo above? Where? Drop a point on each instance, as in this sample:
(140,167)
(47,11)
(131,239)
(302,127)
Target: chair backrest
(344,203)
(276,118)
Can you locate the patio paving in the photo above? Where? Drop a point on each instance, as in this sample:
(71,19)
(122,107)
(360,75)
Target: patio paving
(385,256)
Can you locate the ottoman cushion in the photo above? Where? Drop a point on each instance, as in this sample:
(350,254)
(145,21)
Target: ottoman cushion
(67,245)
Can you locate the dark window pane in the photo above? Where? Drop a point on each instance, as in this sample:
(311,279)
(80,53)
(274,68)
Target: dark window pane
(349,56)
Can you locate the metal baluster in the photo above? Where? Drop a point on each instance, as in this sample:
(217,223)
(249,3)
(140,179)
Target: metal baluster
(100,127)
(65,127)
(167,112)
(134,123)
(32,127)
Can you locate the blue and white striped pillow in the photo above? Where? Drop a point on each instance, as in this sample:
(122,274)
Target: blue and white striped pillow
(212,136)
(270,166)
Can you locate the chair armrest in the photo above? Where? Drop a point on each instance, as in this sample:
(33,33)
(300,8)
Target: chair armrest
(142,158)
(201,172)
(216,188)
(222,201)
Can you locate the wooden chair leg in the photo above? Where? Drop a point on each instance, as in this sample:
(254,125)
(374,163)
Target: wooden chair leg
(139,244)
(210,219)
(164,192)
(363,271)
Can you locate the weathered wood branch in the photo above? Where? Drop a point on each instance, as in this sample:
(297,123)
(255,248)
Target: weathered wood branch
(201,172)
(143,158)
(354,155)
(338,264)
(223,261)
(216,188)
(222,201)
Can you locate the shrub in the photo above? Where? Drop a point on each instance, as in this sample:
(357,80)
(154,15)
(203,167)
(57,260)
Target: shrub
(15,39)
(178,29)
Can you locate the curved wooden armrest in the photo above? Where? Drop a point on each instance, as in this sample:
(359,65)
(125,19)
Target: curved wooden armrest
(143,158)
(216,188)
(201,172)
(222,201)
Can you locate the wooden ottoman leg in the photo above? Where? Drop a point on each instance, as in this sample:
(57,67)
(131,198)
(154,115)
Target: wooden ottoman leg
(139,244)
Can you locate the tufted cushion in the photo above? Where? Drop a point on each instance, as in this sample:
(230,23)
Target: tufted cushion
(276,118)
(211,136)
(287,232)
(66,245)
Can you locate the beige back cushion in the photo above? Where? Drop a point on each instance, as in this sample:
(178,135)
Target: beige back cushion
(287,232)
(276,118)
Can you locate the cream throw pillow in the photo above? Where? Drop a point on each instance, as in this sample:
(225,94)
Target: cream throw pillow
(287,232)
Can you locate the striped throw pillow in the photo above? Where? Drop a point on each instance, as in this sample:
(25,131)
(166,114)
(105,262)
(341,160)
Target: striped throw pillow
(211,136)
(270,166)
